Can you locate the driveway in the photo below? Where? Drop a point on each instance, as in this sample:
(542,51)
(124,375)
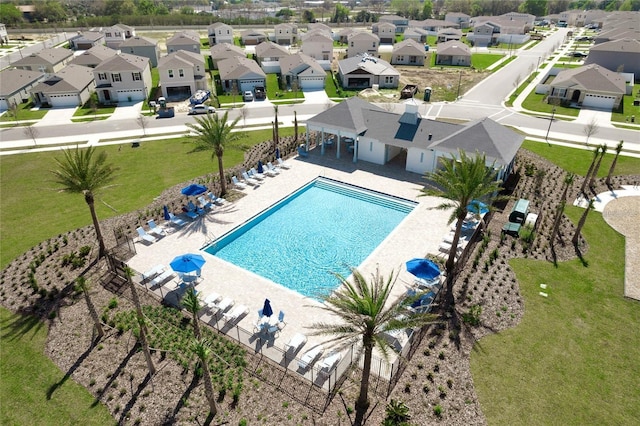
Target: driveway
(127,110)
(315,97)
(57,116)
(596,116)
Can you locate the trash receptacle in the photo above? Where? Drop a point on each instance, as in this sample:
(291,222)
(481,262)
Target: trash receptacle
(427,94)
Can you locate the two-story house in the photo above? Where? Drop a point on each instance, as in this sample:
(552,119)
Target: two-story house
(115,35)
(93,57)
(185,40)
(182,74)
(142,46)
(285,34)
(219,33)
(362,42)
(46,61)
(302,70)
(268,55)
(16,85)
(86,40)
(223,51)
(458,18)
(386,31)
(70,87)
(408,52)
(123,78)
(319,47)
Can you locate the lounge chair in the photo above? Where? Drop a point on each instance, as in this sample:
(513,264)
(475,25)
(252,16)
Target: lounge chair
(155,229)
(302,152)
(273,330)
(175,220)
(161,278)
(273,169)
(251,181)
(144,236)
(235,313)
(281,322)
(211,299)
(310,357)
(204,204)
(147,275)
(254,174)
(216,200)
(193,209)
(237,183)
(224,304)
(330,362)
(295,342)
(283,164)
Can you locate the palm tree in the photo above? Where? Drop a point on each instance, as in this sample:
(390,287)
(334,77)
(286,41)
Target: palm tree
(215,133)
(202,349)
(83,285)
(581,223)
(366,313)
(613,163)
(594,174)
(80,173)
(397,414)
(568,180)
(588,175)
(277,128)
(191,302)
(142,324)
(460,182)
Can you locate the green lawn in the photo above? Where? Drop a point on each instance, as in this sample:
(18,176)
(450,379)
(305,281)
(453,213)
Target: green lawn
(626,111)
(85,110)
(574,358)
(333,91)
(144,173)
(482,61)
(535,102)
(504,63)
(24,113)
(274,93)
(28,376)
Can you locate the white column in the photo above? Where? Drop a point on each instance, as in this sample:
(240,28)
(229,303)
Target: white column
(356,142)
(307,145)
(322,142)
(338,144)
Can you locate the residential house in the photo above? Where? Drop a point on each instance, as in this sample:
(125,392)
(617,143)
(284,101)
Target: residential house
(70,87)
(142,46)
(46,61)
(182,74)
(318,27)
(400,22)
(618,55)
(574,18)
(344,34)
(252,37)
(588,86)
(432,25)
(366,132)
(302,70)
(240,74)
(93,57)
(497,30)
(365,71)
(617,33)
(222,51)
(416,34)
(453,53)
(219,33)
(408,52)
(362,42)
(527,19)
(319,47)
(386,31)
(123,78)
(285,34)
(86,40)
(185,40)
(16,85)
(448,34)
(4,36)
(268,55)
(115,35)
(458,18)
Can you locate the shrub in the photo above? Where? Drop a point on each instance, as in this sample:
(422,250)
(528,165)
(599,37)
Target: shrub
(472,317)
(437,410)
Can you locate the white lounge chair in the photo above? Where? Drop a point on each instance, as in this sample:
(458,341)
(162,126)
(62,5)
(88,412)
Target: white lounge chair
(283,163)
(251,181)
(310,357)
(254,174)
(161,278)
(215,199)
(144,236)
(211,299)
(147,275)
(155,229)
(235,313)
(295,342)
(204,204)
(193,209)
(175,220)
(237,183)
(330,362)
(273,169)
(224,304)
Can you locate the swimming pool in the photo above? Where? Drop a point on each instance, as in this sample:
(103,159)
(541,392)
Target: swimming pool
(324,227)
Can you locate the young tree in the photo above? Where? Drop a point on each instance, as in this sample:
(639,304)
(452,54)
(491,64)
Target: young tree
(202,349)
(244,113)
(581,223)
(215,133)
(14,110)
(83,286)
(613,163)
(366,313)
(594,174)
(80,173)
(590,129)
(308,16)
(31,132)
(191,302)
(142,122)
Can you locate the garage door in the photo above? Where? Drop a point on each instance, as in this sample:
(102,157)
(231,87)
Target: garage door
(312,83)
(250,84)
(130,95)
(65,101)
(599,101)
(3,104)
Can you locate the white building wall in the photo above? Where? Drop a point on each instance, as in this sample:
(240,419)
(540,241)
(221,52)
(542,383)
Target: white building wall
(371,151)
(420,160)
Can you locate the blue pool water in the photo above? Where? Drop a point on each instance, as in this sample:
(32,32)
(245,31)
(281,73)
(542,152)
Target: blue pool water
(324,227)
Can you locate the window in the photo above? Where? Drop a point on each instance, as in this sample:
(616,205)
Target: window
(136,76)
(116,77)
(400,58)
(413,59)
(170,73)
(181,72)
(108,34)
(388,79)
(42,69)
(102,76)
(325,57)
(374,44)
(351,44)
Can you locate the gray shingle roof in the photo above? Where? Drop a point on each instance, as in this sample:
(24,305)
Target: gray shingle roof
(453,48)
(291,62)
(139,41)
(235,68)
(72,78)
(94,56)
(268,49)
(184,38)
(409,47)
(626,45)
(591,77)
(226,50)
(370,64)
(13,80)
(123,62)
(347,115)
(49,56)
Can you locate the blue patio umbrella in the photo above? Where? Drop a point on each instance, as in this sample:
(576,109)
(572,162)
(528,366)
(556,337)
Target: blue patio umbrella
(186,263)
(166,213)
(260,167)
(277,152)
(266,309)
(423,268)
(193,189)
(477,207)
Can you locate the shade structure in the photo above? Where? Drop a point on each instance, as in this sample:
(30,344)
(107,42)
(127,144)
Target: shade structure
(267,311)
(423,268)
(193,189)
(477,207)
(260,167)
(165,211)
(186,263)
(277,152)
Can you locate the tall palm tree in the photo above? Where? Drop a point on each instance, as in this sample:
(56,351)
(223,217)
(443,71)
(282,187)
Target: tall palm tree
(588,175)
(215,133)
(191,302)
(277,126)
(366,313)
(461,181)
(568,180)
(202,349)
(142,323)
(594,174)
(613,163)
(581,223)
(80,172)
(83,285)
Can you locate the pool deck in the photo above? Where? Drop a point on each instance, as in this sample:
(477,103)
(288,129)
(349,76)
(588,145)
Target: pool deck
(420,233)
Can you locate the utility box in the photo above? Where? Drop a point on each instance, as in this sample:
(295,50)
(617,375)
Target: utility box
(427,94)
(520,211)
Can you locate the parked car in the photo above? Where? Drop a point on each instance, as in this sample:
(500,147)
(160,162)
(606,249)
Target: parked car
(577,55)
(260,92)
(248,96)
(201,109)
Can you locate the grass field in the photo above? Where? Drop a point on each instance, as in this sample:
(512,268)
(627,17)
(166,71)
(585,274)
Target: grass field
(24,113)
(274,93)
(626,111)
(574,358)
(144,173)
(483,61)
(28,376)
(535,102)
